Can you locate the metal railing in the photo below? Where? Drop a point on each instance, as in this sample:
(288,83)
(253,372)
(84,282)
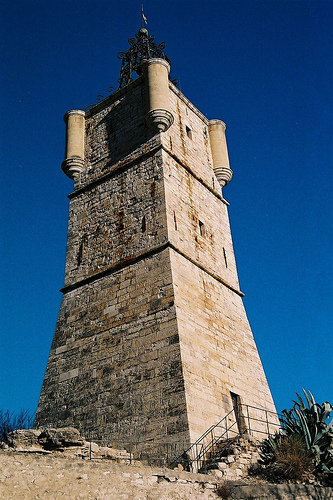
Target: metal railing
(244,420)
(147,452)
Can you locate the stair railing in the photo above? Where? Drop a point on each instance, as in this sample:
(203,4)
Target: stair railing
(206,447)
(193,458)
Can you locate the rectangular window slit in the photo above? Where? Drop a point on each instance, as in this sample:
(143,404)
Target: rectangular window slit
(143,224)
(202,228)
(225,257)
(82,249)
(188,132)
(175,220)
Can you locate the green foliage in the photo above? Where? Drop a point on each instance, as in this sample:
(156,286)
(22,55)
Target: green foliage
(309,421)
(304,444)
(267,449)
(10,421)
(286,458)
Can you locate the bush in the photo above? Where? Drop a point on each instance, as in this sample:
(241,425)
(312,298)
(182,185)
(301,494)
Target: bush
(309,420)
(288,459)
(10,421)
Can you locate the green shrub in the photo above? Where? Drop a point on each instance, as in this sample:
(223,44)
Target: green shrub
(304,445)
(293,461)
(309,420)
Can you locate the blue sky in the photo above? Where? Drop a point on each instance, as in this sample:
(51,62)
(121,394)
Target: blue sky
(262,66)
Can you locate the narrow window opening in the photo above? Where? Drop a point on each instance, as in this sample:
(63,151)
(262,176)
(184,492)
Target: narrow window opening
(109,129)
(143,224)
(213,182)
(175,220)
(121,220)
(188,132)
(237,407)
(202,228)
(81,252)
(225,257)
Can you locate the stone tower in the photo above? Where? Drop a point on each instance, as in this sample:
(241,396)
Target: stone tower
(152,342)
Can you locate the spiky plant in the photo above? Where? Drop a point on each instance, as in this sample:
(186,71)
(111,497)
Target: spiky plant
(293,460)
(305,443)
(309,421)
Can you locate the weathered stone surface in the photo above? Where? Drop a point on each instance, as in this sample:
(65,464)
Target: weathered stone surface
(60,438)
(28,477)
(281,492)
(66,442)
(235,458)
(23,437)
(152,335)
(23,477)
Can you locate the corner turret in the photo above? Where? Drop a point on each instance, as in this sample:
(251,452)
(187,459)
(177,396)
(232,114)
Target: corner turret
(156,73)
(73,164)
(219,149)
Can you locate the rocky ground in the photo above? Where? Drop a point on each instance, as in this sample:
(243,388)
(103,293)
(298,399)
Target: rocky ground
(235,461)
(65,442)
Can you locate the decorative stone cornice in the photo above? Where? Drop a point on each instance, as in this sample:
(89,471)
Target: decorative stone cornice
(223,175)
(159,120)
(72,167)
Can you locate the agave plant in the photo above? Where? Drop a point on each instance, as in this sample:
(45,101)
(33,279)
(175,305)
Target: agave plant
(307,423)
(309,420)
(268,449)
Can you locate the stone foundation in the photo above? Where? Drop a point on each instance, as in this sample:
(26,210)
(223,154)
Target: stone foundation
(25,476)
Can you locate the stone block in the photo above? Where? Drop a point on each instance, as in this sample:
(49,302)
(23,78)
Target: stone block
(60,438)
(23,438)
(216,473)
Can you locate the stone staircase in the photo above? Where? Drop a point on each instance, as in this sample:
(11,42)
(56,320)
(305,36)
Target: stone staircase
(233,458)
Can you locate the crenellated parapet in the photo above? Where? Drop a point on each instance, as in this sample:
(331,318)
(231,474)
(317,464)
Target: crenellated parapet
(156,74)
(73,164)
(219,149)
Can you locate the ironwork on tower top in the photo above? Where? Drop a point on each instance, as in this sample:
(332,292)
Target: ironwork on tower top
(142,47)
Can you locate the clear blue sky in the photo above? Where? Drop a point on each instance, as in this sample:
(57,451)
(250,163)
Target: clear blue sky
(262,66)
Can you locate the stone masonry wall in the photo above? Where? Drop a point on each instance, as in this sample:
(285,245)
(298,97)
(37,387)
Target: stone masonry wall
(219,354)
(114,129)
(152,334)
(115,367)
(188,139)
(111,222)
(198,222)
(33,477)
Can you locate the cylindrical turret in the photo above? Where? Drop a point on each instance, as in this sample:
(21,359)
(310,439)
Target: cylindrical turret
(219,149)
(74,152)
(156,74)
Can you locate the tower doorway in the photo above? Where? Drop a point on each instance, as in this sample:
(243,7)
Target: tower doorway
(237,407)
